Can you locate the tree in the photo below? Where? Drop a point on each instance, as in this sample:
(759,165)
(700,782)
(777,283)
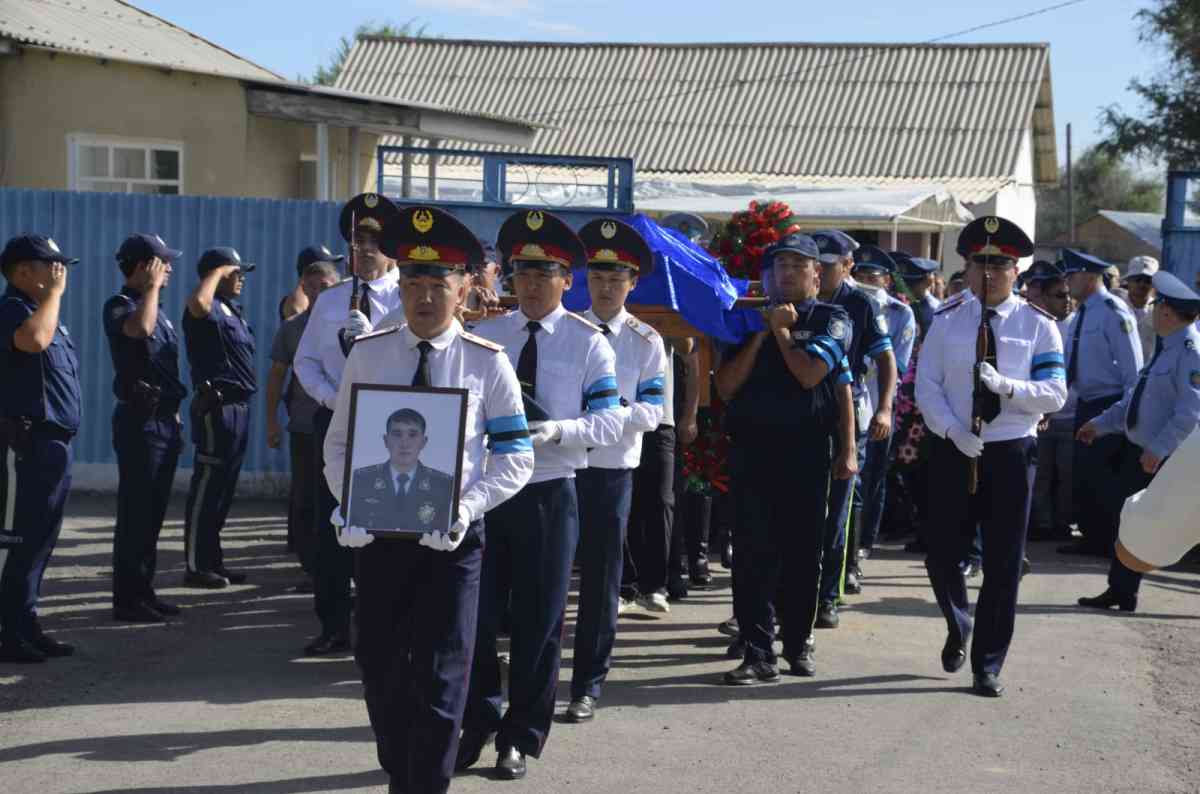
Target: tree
(328,74)
(1170,131)
(1102,181)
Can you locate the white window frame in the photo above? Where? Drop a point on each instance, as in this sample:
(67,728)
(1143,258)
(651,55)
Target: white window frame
(75,140)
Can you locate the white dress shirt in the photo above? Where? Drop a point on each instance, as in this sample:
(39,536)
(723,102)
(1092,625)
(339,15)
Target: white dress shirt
(319,358)
(641,380)
(494,408)
(576,384)
(1029,352)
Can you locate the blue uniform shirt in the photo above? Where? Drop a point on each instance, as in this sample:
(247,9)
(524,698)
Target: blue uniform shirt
(902,330)
(39,386)
(924,309)
(1169,407)
(220,347)
(870,337)
(772,401)
(1110,352)
(154,359)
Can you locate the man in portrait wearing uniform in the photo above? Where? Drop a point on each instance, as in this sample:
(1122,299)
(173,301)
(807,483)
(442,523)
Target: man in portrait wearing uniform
(983,413)
(418,600)
(1104,356)
(40,409)
(220,351)
(869,343)
(563,364)
(1139,294)
(147,430)
(872,269)
(787,388)
(339,315)
(617,256)
(1151,421)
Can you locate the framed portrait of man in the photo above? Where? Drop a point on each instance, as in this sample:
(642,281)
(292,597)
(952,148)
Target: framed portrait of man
(404,458)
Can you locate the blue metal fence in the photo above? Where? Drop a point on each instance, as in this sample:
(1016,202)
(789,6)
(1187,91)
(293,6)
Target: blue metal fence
(1181,225)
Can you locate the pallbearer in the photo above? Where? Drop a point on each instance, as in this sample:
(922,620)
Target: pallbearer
(1021,377)
(417,601)
(617,256)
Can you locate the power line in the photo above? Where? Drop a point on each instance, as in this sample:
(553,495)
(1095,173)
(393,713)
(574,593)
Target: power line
(783,75)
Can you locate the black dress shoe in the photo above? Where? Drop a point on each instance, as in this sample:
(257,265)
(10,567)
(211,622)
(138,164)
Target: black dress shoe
(209,580)
(701,576)
(970,569)
(827,615)
(752,673)
(727,557)
(729,627)
(16,650)
(988,685)
(234,577)
(1111,598)
(137,613)
(327,643)
(954,653)
(802,664)
(50,647)
(677,588)
(510,764)
(163,607)
(581,709)
(470,747)
(853,582)
(736,649)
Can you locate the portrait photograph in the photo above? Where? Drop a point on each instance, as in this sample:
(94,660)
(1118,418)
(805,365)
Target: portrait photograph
(404,458)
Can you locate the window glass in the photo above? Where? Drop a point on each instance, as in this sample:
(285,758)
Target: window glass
(165,163)
(93,161)
(129,163)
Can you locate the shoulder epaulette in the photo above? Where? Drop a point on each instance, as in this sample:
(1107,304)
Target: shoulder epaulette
(954,304)
(376,334)
(642,329)
(1038,309)
(479,340)
(595,328)
(1116,307)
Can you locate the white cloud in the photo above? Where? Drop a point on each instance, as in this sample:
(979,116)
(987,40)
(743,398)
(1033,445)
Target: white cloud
(492,8)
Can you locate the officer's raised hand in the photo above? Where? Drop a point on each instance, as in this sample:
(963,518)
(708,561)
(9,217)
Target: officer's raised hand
(782,317)
(52,281)
(153,275)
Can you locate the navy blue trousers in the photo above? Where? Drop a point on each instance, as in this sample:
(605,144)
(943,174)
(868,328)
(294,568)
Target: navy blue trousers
(651,516)
(530,542)
(220,437)
(1000,511)
(1092,478)
(837,524)
(416,622)
(778,532)
(32,494)
(147,456)
(872,487)
(604,497)
(332,565)
(1125,477)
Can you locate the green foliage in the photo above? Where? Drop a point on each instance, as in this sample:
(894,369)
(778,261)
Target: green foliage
(328,73)
(1103,181)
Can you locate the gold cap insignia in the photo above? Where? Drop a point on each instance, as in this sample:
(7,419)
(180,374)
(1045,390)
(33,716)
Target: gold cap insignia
(606,255)
(608,230)
(423,253)
(371,200)
(534,220)
(991,225)
(370,223)
(532,250)
(423,221)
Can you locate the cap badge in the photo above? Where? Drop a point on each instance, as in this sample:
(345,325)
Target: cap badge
(532,250)
(426,513)
(606,255)
(423,221)
(424,486)
(608,230)
(370,200)
(534,220)
(53,246)
(370,223)
(991,225)
(325,251)
(424,253)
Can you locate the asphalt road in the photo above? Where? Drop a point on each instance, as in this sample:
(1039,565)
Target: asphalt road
(220,700)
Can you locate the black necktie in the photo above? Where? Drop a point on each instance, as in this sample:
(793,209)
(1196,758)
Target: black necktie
(421,376)
(1135,402)
(364,301)
(401,492)
(1074,363)
(604,329)
(527,363)
(989,408)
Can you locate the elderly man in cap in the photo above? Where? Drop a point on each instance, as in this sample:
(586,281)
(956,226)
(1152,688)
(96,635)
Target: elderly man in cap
(1139,294)
(40,409)
(1151,420)
(299,299)
(147,431)
(220,351)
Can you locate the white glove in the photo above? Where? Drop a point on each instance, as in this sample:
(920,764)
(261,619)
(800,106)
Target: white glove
(994,381)
(967,442)
(357,324)
(350,537)
(544,432)
(440,541)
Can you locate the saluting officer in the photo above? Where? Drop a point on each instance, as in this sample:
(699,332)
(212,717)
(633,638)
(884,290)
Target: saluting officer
(333,324)
(147,431)
(787,389)
(1151,420)
(617,256)
(220,351)
(872,267)
(869,343)
(1023,377)
(1104,356)
(565,366)
(418,601)
(40,409)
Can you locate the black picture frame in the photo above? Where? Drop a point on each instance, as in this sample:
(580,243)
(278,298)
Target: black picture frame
(425,507)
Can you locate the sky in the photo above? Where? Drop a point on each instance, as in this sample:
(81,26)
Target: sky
(1094,45)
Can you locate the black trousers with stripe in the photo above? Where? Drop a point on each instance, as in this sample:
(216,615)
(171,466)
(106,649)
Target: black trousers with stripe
(221,437)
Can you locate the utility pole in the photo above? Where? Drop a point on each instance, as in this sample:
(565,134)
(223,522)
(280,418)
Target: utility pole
(1070,191)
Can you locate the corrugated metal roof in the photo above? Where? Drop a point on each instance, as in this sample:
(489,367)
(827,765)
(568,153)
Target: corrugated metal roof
(120,31)
(1146,226)
(846,112)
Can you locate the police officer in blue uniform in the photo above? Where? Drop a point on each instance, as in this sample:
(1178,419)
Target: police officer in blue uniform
(147,432)
(917,273)
(220,351)
(40,410)
(1151,420)
(869,343)
(788,394)
(1021,378)
(872,267)
(1104,355)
